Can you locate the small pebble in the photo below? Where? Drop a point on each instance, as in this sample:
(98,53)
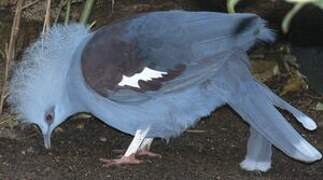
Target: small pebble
(30,150)
(59,130)
(80,126)
(47,169)
(103,139)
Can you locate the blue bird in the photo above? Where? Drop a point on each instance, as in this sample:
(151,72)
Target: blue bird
(153,76)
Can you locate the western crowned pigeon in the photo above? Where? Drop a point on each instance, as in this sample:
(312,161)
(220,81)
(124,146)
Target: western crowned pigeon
(155,75)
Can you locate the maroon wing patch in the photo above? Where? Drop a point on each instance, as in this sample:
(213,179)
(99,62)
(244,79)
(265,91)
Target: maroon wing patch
(107,61)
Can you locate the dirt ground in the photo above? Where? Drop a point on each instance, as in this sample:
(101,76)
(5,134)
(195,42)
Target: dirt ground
(213,150)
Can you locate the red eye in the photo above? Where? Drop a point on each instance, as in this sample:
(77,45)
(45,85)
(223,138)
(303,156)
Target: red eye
(49,118)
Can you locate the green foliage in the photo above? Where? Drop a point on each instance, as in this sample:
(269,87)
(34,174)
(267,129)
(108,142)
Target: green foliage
(298,5)
(289,16)
(67,13)
(86,11)
(319,3)
(231,4)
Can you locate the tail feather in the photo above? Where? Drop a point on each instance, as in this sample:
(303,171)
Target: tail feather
(302,118)
(266,35)
(257,109)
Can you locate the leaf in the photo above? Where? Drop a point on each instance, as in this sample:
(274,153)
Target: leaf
(294,83)
(319,107)
(319,3)
(86,12)
(290,15)
(298,5)
(301,1)
(231,4)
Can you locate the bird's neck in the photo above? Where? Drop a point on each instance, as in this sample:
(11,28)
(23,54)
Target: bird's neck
(84,99)
(75,82)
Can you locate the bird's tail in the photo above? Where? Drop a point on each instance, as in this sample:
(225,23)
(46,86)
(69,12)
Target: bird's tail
(257,108)
(255,103)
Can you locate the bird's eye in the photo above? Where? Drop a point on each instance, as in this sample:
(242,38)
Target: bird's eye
(50,115)
(49,118)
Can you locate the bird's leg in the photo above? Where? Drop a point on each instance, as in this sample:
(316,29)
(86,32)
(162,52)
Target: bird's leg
(129,156)
(144,149)
(259,153)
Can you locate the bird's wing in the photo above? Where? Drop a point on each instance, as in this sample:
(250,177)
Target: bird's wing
(148,81)
(175,37)
(178,79)
(153,50)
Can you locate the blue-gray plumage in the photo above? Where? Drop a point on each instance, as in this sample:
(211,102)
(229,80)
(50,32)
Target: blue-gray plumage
(155,75)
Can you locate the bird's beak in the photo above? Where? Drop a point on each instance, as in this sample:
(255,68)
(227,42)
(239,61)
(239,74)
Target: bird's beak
(47,142)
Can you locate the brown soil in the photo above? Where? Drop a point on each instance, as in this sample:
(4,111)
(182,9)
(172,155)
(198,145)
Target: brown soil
(213,153)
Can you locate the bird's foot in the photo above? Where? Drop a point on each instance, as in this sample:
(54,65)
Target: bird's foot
(124,160)
(252,165)
(148,153)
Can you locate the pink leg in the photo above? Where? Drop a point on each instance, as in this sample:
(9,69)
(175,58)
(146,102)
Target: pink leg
(144,149)
(129,156)
(148,153)
(124,160)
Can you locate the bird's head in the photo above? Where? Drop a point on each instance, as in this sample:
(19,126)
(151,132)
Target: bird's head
(47,119)
(51,118)
(38,87)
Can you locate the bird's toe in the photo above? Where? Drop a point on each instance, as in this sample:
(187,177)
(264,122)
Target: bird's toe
(124,160)
(252,165)
(148,153)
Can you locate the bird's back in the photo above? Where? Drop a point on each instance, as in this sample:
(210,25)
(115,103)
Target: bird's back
(173,42)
